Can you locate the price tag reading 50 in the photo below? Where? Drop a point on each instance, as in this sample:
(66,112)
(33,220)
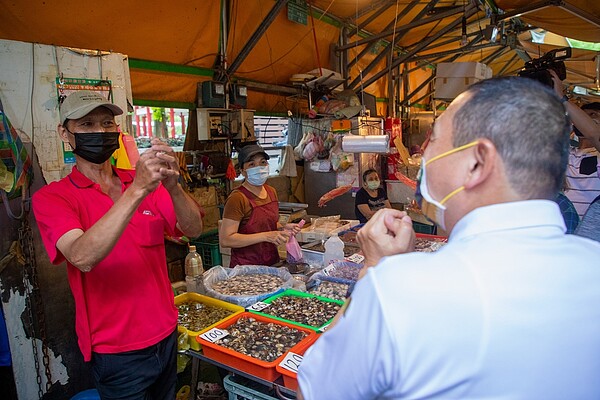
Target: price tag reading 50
(258,306)
(291,362)
(214,334)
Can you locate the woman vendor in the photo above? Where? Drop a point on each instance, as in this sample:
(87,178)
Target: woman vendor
(251,216)
(371,197)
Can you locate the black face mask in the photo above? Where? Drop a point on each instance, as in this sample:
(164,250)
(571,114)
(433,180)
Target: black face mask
(96,147)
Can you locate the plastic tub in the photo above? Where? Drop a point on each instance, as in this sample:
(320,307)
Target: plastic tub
(191,296)
(251,365)
(296,293)
(238,388)
(290,378)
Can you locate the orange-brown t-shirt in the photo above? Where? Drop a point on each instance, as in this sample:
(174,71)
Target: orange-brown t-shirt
(238,208)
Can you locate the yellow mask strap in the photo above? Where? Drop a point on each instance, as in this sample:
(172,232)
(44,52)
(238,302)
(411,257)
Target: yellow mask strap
(452,193)
(454,150)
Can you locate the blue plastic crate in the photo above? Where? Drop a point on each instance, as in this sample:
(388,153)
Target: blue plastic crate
(242,389)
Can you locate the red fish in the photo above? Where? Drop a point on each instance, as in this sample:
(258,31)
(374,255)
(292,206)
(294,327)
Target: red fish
(332,194)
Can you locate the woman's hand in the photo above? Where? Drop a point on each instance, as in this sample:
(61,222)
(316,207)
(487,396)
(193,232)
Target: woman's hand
(293,228)
(276,237)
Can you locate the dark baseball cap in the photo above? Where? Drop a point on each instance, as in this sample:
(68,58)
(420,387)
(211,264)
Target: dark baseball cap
(247,152)
(80,103)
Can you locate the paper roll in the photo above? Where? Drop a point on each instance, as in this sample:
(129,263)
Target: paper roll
(366,144)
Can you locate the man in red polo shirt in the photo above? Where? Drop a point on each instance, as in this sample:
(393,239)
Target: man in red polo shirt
(108,225)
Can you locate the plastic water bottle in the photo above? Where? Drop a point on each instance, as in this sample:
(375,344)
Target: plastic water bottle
(334,249)
(194,271)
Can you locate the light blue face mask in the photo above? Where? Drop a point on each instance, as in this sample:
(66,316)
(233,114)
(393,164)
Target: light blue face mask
(257,176)
(373,185)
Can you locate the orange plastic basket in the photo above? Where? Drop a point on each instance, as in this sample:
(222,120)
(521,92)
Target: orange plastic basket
(290,379)
(251,365)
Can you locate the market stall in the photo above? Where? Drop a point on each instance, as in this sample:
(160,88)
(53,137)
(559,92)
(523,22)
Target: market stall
(292,303)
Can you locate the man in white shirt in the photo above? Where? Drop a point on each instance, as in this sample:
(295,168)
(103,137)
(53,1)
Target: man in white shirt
(508,309)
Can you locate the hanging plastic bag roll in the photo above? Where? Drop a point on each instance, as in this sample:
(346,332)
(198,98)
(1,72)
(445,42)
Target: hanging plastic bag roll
(366,144)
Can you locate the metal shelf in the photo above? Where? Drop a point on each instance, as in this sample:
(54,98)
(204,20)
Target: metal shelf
(281,391)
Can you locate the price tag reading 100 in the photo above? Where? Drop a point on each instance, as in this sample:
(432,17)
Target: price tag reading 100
(291,362)
(214,334)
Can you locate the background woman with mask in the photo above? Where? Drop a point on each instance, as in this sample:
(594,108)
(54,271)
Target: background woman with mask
(371,197)
(250,219)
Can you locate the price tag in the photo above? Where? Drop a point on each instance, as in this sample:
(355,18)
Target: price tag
(324,328)
(327,270)
(356,258)
(214,334)
(258,306)
(291,362)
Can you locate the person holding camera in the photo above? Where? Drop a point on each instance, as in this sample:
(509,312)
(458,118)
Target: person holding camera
(582,176)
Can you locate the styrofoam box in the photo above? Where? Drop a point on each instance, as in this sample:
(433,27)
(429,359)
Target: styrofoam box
(399,192)
(463,70)
(309,235)
(450,88)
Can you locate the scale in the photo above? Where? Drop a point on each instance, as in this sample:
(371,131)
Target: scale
(291,212)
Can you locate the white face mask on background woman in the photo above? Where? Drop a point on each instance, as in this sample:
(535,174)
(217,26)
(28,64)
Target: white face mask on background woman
(257,176)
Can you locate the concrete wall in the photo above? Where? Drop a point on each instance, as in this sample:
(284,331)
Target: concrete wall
(29,96)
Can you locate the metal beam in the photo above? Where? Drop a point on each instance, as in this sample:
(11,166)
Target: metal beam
(256,36)
(508,64)
(524,10)
(385,5)
(417,90)
(386,51)
(426,42)
(388,27)
(461,51)
(269,88)
(422,97)
(494,55)
(410,25)
(591,18)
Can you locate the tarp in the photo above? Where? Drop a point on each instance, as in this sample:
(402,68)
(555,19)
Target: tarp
(186,33)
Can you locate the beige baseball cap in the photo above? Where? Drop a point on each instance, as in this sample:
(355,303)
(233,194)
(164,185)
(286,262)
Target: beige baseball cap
(80,103)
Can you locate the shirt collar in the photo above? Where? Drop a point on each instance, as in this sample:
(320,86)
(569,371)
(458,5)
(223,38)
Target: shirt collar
(509,216)
(80,181)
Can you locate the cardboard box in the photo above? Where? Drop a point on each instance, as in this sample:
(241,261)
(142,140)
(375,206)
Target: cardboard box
(211,218)
(205,196)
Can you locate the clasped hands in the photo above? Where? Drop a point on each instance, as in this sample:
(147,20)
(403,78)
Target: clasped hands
(387,233)
(157,164)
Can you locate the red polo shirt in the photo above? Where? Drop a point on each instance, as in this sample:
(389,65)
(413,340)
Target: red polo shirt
(125,303)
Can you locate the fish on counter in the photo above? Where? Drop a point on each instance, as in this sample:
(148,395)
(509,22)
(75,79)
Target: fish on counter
(332,194)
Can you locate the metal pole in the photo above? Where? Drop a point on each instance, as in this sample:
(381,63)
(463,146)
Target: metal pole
(592,19)
(510,62)
(468,13)
(385,52)
(388,27)
(386,4)
(410,25)
(417,90)
(256,36)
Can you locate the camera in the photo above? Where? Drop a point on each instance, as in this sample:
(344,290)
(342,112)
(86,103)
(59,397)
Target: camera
(538,68)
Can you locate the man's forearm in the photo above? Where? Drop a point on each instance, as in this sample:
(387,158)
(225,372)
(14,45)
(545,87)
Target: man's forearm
(93,245)
(189,218)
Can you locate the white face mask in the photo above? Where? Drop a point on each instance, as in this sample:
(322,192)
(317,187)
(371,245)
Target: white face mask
(432,209)
(372,185)
(257,176)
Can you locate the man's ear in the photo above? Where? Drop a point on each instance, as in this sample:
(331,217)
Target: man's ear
(482,163)
(62,133)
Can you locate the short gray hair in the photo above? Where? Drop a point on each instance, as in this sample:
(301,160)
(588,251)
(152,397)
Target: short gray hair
(529,127)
